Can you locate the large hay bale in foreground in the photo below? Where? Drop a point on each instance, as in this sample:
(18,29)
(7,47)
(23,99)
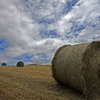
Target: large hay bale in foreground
(20,64)
(78,66)
(4,64)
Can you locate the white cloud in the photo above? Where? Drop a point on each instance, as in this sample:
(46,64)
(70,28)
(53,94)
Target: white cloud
(26,26)
(68,16)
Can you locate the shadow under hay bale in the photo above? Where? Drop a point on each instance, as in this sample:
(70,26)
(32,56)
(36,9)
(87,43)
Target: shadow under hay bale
(78,66)
(4,64)
(20,64)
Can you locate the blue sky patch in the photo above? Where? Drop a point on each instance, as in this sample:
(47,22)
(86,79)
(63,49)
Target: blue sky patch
(48,34)
(3,45)
(24,58)
(69,6)
(42,55)
(77,28)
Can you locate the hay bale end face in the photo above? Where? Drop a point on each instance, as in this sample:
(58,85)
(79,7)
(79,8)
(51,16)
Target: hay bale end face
(20,64)
(78,66)
(4,64)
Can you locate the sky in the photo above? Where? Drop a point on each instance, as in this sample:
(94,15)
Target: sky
(32,30)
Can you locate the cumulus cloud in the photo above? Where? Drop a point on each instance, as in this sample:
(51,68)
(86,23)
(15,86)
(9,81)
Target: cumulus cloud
(32,30)
(83,16)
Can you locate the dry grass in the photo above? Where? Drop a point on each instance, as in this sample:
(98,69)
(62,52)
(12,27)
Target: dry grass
(32,82)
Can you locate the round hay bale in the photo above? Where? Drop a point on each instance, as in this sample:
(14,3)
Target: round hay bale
(4,64)
(78,66)
(20,64)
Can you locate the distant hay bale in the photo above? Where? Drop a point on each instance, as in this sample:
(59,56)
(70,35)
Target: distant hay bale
(20,64)
(78,66)
(4,64)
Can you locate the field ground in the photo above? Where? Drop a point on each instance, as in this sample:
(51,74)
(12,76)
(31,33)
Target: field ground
(32,82)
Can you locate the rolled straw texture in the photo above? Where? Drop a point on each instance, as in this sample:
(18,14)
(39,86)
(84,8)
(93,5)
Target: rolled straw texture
(20,64)
(78,67)
(4,64)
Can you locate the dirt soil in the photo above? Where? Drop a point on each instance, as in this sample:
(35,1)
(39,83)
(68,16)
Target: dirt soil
(32,82)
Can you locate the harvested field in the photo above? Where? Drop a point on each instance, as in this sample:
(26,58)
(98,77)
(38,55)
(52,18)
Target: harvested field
(32,82)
